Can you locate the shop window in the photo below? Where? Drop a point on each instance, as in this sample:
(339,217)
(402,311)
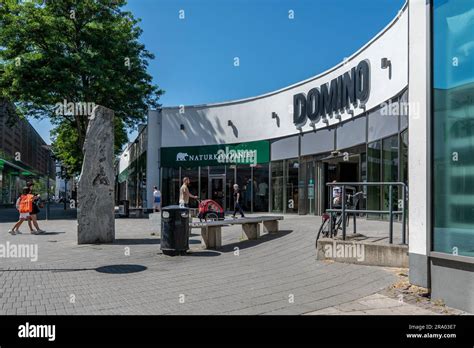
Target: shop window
(373,175)
(170,186)
(292,186)
(390,171)
(453,106)
(260,195)
(277,186)
(204,183)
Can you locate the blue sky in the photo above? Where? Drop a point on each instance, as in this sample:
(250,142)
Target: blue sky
(195,56)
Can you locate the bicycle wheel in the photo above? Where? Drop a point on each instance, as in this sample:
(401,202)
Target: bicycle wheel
(211,216)
(338,225)
(321,229)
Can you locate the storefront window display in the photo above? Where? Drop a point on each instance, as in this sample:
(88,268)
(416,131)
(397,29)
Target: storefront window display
(292,185)
(277,186)
(453,127)
(260,195)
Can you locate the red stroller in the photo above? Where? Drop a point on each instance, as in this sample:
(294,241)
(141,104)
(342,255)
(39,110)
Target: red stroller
(210,210)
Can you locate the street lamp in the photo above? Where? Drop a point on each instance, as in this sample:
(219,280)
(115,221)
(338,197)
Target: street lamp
(48,173)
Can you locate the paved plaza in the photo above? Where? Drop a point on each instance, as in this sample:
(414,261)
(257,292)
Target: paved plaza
(276,274)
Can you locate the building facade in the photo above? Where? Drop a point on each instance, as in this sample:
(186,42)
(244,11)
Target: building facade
(347,124)
(400,109)
(23,156)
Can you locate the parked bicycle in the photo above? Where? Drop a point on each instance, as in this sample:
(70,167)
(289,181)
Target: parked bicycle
(332,222)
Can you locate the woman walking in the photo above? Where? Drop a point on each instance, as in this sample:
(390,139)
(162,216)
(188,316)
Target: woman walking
(34,213)
(24,205)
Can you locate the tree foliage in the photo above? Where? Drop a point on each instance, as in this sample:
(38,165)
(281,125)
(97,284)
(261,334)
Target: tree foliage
(74,51)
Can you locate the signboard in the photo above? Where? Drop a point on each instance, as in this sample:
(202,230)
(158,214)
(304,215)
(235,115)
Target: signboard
(352,87)
(252,153)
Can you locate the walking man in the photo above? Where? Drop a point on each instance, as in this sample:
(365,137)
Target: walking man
(237,200)
(184,193)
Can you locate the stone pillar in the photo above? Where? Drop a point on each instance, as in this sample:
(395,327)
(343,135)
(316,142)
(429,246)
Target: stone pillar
(270,226)
(252,231)
(95,191)
(419,138)
(211,237)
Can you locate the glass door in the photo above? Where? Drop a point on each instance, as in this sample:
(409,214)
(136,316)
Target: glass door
(310,181)
(217,189)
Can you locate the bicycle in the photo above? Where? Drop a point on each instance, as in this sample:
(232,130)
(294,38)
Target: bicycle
(336,218)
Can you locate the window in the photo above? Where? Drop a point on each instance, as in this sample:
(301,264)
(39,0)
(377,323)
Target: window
(390,170)
(292,186)
(260,195)
(170,186)
(453,127)
(277,186)
(373,175)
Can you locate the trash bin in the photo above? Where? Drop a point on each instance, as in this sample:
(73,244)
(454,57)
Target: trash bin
(174,230)
(124,208)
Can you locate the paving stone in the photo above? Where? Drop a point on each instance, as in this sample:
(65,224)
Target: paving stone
(258,281)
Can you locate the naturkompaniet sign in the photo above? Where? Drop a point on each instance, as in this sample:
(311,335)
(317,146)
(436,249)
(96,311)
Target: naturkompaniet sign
(213,155)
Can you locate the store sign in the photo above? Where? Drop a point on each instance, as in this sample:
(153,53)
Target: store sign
(251,153)
(352,87)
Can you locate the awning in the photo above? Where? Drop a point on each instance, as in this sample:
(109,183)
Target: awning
(23,171)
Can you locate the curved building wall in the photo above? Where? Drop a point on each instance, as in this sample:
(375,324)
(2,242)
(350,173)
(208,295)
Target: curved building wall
(251,119)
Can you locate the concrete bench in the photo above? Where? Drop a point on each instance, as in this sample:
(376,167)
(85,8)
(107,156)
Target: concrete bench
(211,231)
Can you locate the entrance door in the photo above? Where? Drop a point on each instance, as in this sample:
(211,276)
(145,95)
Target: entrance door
(217,189)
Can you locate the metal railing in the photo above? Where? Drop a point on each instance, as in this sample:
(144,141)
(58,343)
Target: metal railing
(343,210)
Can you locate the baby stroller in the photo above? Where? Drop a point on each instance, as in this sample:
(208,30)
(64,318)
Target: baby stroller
(210,210)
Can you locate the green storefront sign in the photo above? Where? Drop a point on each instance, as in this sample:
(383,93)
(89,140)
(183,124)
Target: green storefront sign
(251,153)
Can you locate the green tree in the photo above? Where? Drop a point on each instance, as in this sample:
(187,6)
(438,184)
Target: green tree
(58,52)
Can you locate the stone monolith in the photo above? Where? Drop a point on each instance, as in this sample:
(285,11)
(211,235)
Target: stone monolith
(95,191)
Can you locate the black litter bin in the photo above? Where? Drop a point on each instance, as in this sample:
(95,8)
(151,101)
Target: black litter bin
(174,230)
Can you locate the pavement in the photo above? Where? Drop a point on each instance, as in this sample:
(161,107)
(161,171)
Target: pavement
(276,274)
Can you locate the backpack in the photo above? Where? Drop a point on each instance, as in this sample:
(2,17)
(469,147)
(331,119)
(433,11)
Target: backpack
(26,204)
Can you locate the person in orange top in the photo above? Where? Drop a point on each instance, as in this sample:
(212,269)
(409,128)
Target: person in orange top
(24,205)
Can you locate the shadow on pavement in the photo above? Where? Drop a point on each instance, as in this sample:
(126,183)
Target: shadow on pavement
(49,233)
(251,243)
(121,269)
(203,253)
(111,269)
(136,241)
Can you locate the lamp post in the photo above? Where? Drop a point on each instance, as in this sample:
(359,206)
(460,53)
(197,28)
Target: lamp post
(48,173)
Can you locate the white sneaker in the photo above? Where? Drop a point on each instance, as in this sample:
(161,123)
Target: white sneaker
(41,231)
(12,232)
(34,232)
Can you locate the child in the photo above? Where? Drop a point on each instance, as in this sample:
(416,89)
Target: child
(24,205)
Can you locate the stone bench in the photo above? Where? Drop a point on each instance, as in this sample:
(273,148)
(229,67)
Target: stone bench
(211,231)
